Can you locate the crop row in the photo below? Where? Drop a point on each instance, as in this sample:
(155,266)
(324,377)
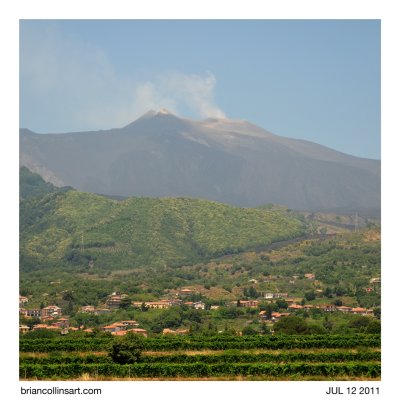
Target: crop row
(212,343)
(199,370)
(231,357)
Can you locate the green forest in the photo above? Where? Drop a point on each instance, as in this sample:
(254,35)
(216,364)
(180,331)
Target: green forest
(67,227)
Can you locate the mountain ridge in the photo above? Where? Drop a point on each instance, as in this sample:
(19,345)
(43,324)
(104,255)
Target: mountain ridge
(234,162)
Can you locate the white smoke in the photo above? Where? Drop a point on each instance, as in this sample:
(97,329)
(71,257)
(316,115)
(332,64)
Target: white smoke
(72,85)
(177,91)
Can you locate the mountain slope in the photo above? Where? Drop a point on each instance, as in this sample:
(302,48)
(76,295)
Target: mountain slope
(235,162)
(74,228)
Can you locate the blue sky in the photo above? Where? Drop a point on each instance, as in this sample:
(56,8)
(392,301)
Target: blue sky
(317,80)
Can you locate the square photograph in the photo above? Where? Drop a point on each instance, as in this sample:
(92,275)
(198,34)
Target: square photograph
(200,200)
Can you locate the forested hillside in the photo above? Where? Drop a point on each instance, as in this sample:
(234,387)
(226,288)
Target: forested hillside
(74,228)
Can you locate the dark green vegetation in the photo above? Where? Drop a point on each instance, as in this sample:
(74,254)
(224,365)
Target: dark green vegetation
(126,350)
(321,357)
(32,185)
(73,228)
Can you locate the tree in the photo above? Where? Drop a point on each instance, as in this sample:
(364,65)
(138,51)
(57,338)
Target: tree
(68,296)
(374,326)
(282,303)
(126,349)
(248,330)
(377,312)
(309,296)
(125,303)
(251,292)
(269,309)
(291,325)
(328,324)
(265,330)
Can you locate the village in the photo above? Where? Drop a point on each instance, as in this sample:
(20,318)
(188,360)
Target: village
(52,318)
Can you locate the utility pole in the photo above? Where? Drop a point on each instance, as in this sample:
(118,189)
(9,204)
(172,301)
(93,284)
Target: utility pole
(82,244)
(356,223)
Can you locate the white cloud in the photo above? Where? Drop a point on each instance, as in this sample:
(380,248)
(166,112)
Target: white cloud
(175,90)
(67,84)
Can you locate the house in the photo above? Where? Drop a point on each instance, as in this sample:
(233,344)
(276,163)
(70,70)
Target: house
(185,291)
(262,314)
(119,333)
(130,323)
(120,326)
(51,311)
(248,303)
(22,300)
(111,328)
(152,304)
(31,313)
(343,308)
(23,328)
(308,306)
(47,318)
(167,331)
(275,316)
(62,323)
(270,295)
(280,295)
(114,301)
(42,326)
(88,309)
(309,276)
(375,280)
(158,304)
(295,307)
(292,300)
(175,302)
(199,305)
(369,289)
(329,308)
(139,331)
(100,311)
(362,311)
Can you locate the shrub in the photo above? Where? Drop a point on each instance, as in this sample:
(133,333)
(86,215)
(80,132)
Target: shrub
(126,349)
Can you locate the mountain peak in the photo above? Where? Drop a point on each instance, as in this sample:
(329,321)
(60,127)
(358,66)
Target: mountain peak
(164,111)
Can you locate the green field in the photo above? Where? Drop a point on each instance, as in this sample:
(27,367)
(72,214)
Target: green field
(281,357)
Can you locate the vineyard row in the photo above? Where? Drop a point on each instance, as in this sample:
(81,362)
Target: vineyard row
(198,370)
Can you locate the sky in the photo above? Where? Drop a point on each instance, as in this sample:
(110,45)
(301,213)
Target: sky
(317,80)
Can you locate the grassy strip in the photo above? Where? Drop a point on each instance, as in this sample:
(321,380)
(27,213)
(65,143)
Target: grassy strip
(226,357)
